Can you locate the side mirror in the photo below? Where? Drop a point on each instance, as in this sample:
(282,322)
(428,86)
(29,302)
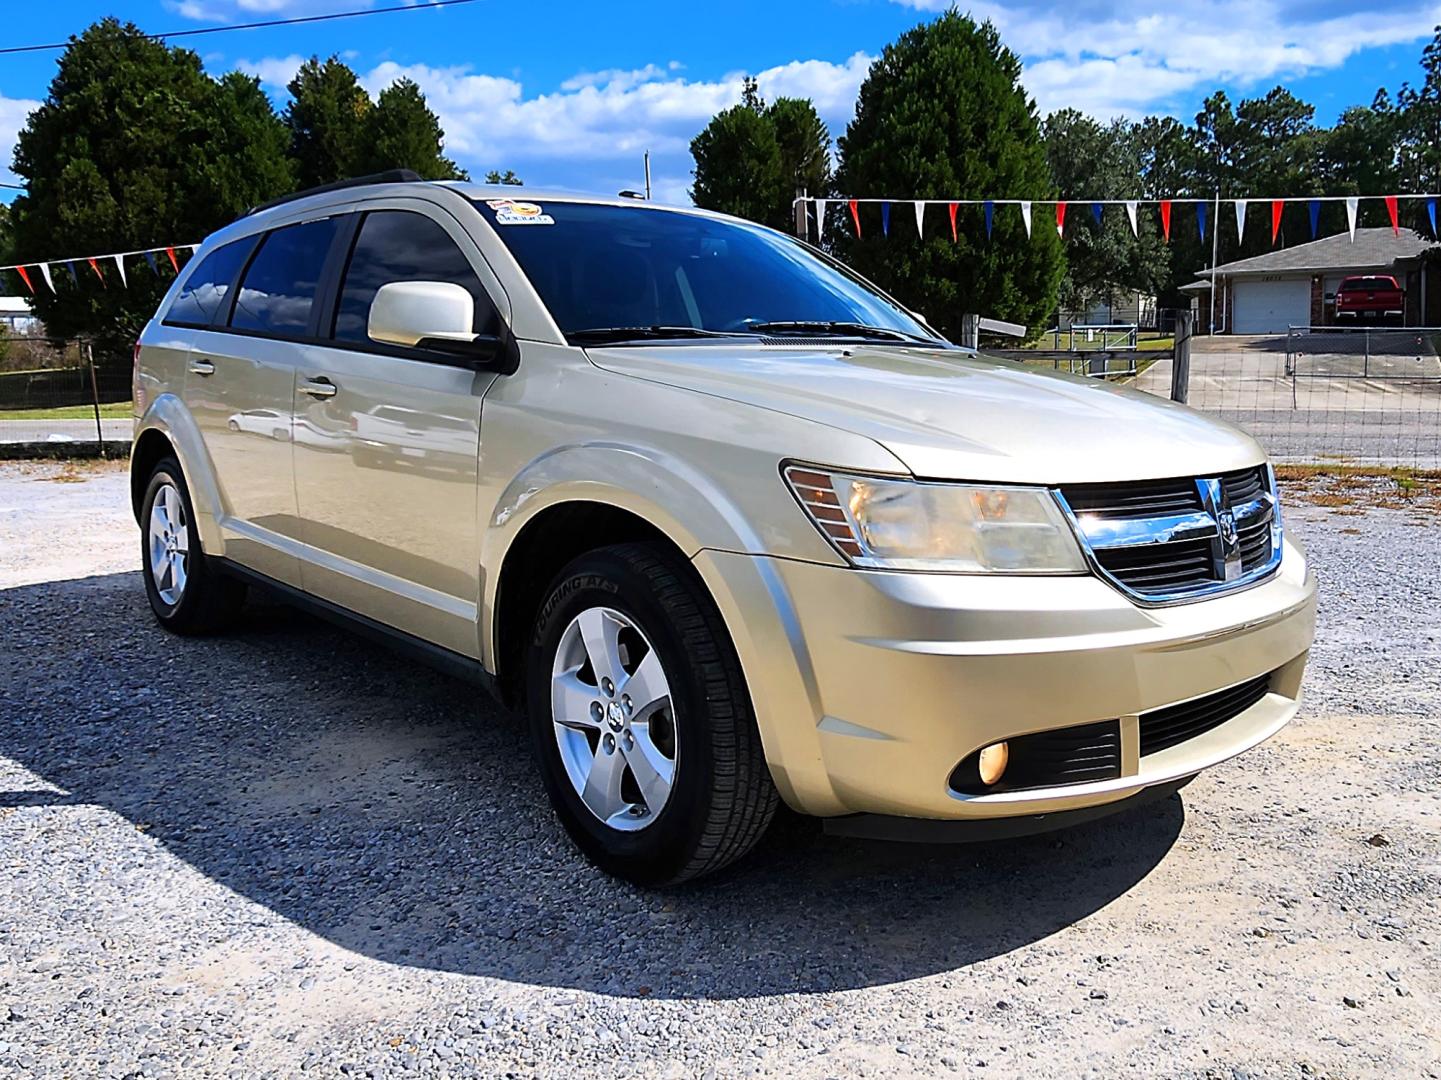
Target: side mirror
(435,315)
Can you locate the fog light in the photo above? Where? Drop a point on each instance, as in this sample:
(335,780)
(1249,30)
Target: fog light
(993,762)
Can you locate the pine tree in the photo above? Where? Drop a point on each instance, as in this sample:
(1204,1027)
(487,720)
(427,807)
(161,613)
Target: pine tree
(402,133)
(805,145)
(942,113)
(1104,259)
(738,167)
(327,117)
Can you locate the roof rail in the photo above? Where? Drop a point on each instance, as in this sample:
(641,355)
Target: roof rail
(390,176)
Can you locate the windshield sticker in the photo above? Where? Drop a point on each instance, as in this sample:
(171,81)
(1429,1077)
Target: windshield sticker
(509,212)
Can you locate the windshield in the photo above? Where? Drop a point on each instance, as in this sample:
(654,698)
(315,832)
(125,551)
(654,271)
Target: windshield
(673,274)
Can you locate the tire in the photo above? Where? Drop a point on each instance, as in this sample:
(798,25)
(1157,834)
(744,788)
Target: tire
(189,595)
(720,797)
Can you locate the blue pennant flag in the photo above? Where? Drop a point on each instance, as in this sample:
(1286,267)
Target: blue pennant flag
(1315,217)
(1201,219)
(150,261)
(1096,212)
(74,279)
(885,219)
(1431,209)
(990,216)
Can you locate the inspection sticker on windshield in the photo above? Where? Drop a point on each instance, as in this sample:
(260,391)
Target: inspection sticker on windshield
(509,212)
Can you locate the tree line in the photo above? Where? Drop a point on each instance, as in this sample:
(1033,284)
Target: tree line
(136,146)
(942,114)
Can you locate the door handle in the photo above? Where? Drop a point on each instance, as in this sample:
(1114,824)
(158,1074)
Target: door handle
(319,388)
(202,367)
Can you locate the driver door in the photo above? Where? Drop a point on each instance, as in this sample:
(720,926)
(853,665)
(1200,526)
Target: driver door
(387,440)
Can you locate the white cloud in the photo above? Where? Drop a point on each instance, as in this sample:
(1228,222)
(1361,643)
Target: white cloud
(1128,57)
(605,114)
(275,72)
(13,112)
(242,10)
(253,10)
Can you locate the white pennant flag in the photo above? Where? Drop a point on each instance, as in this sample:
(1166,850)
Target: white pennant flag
(120,265)
(1131,216)
(820,219)
(1351,205)
(1240,219)
(1026,216)
(920,216)
(45,273)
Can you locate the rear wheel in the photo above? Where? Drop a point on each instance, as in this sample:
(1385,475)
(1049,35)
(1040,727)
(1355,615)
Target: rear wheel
(641,719)
(187,593)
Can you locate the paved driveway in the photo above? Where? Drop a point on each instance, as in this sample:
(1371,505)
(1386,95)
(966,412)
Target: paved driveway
(28,431)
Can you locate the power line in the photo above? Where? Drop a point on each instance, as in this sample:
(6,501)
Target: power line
(258,25)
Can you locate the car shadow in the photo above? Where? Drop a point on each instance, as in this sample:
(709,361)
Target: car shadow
(396,813)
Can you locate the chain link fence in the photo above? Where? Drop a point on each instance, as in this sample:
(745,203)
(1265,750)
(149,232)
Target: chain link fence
(1322,395)
(55,397)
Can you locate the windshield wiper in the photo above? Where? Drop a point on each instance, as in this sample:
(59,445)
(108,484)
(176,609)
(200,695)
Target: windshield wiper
(601,335)
(839,329)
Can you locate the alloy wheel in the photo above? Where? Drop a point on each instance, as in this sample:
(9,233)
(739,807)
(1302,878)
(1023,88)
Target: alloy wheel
(612,713)
(168,542)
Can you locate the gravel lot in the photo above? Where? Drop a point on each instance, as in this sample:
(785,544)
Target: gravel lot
(288,850)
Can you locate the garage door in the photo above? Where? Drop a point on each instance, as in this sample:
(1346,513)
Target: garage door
(1269,307)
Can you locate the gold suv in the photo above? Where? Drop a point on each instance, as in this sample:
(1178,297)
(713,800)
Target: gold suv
(728,523)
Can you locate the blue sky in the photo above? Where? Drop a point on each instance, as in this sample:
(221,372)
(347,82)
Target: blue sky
(569,94)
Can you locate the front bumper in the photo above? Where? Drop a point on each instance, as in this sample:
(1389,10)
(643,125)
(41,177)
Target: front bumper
(870,687)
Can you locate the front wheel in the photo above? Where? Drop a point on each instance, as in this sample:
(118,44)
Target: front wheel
(641,719)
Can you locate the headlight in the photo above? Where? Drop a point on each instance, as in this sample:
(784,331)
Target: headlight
(957,528)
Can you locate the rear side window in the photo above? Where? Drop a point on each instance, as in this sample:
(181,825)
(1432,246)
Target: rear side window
(202,300)
(279,287)
(397,245)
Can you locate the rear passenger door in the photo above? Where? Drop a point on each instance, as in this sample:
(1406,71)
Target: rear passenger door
(387,438)
(240,385)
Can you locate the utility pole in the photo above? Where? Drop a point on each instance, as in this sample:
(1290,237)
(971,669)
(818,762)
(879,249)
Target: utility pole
(802,225)
(647,176)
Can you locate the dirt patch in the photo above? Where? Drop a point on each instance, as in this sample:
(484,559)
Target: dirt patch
(1352,489)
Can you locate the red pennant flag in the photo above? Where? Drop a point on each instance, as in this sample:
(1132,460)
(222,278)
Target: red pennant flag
(25,278)
(1392,209)
(856,217)
(1166,219)
(1060,219)
(953,208)
(171,251)
(96,267)
(1277,205)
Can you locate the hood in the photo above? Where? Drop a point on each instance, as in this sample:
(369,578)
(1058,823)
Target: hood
(957,416)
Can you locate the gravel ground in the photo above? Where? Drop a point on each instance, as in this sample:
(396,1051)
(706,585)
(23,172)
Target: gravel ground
(287,850)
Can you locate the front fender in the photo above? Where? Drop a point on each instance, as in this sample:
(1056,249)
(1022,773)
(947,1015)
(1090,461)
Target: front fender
(685,504)
(168,415)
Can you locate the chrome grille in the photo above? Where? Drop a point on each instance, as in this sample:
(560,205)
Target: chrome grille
(1173,540)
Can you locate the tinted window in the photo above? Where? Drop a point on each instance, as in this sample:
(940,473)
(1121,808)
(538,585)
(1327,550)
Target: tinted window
(394,245)
(597,266)
(202,298)
(279,287)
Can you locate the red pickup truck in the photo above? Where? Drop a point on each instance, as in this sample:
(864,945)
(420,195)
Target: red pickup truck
(1373,296)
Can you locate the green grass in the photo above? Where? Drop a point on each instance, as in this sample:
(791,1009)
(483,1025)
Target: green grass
(121,410)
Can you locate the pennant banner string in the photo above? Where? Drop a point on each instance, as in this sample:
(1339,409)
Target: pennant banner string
(146,252)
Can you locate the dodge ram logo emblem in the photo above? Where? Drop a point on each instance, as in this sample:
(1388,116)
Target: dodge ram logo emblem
(1227,521)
